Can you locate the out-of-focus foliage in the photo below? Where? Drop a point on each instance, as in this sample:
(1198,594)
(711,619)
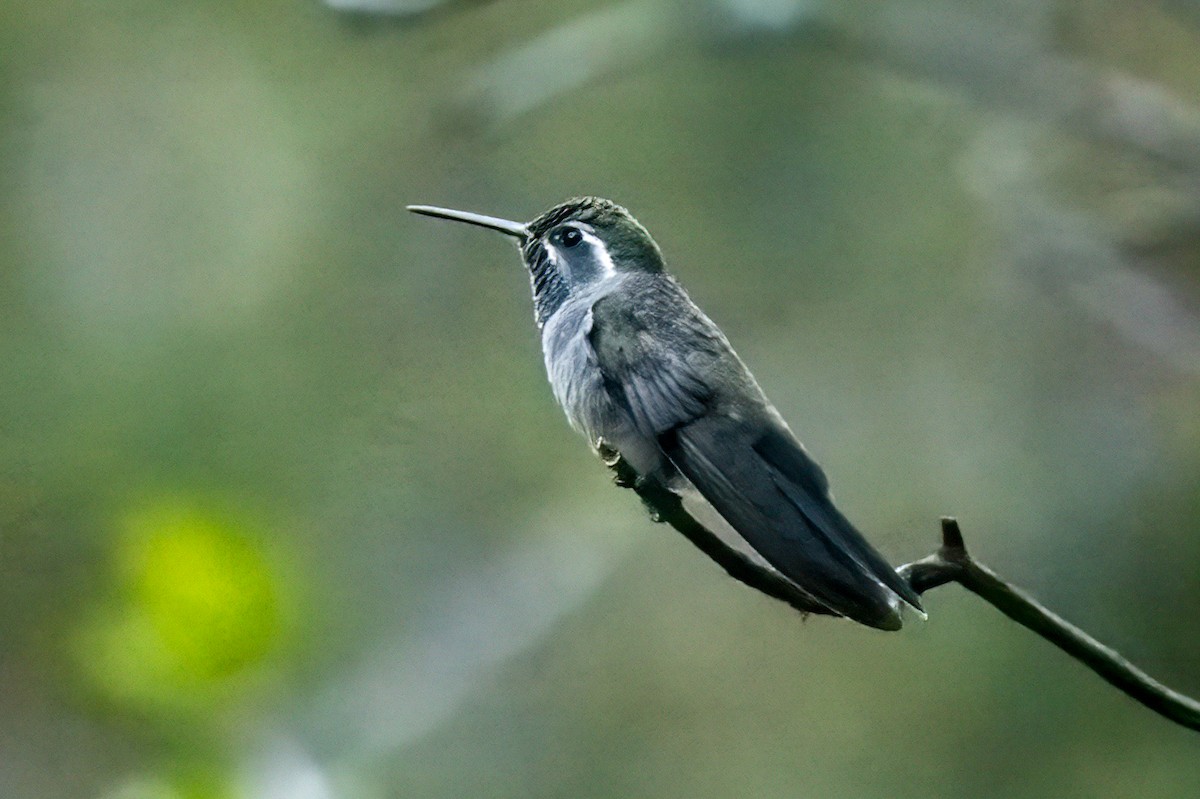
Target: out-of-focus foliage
(286,508)
(197,605)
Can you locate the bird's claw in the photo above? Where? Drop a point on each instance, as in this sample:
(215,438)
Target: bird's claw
(623,474)
(607,454)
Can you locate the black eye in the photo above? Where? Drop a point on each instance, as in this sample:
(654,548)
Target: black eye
(571,237)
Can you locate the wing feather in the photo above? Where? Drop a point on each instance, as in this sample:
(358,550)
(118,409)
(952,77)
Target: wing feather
(685,389)
(799,533)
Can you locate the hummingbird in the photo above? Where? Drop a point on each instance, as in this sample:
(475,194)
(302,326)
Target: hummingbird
(642,372)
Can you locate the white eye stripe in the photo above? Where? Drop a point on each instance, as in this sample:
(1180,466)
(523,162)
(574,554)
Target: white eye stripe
(601,252)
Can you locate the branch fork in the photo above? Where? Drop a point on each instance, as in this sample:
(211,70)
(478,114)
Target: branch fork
(951,563)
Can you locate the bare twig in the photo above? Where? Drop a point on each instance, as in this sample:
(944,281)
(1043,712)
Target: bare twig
(950,564)
(665,506)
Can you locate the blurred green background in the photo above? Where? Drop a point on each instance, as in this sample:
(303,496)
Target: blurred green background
(286,507)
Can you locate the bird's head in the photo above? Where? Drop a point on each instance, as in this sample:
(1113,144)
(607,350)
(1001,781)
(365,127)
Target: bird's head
(572,247)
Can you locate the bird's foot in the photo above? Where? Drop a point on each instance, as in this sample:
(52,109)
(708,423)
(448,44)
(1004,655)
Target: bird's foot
(623,474)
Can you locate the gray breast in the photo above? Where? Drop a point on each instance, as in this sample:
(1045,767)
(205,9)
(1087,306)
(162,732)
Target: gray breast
(579,386)
(572,368)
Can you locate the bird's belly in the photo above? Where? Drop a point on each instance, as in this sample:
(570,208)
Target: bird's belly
(575,375)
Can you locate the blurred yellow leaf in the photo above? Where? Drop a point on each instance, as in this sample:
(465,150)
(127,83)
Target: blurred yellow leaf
(199,603)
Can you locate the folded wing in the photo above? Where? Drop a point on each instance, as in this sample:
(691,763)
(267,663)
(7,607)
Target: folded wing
(674,376)
(765,485)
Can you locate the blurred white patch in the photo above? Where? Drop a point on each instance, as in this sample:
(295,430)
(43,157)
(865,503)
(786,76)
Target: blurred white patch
(769,15)
(1144,311)
(142,787)
(397,8)
(475,623)
(285,771)
(567,57)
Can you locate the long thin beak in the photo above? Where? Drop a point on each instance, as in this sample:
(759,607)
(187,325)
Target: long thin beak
(503,225)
